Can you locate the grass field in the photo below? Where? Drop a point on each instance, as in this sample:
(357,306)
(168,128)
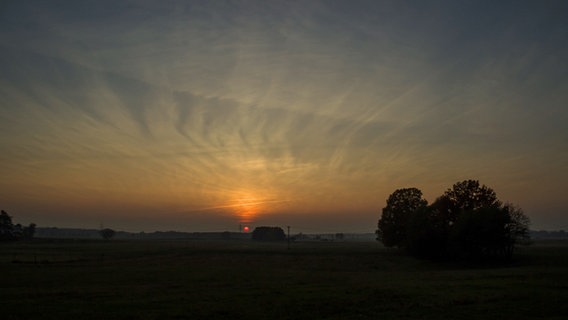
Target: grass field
(49,279)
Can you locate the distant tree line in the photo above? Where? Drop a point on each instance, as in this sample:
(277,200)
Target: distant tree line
(11,232)
(466,222)
(544,234)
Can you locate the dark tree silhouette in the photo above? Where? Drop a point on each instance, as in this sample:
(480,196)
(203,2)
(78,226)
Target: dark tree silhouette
(10,231)
(427,233)
(481,234)
(392,225)
(7,228)
(268,234)
(107,233)
(467,221)
(468,195)
(518,226)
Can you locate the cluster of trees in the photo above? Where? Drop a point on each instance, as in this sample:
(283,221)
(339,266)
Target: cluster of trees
(10,231)
(467,221)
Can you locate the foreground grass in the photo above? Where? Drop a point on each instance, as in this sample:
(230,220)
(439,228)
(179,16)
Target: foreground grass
(238,279)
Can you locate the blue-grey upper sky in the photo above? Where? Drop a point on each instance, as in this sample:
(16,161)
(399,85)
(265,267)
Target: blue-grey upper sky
(198,115)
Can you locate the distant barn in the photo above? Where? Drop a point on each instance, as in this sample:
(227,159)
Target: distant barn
(268,234)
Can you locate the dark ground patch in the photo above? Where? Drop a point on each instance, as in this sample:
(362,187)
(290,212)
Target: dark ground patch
(243,279)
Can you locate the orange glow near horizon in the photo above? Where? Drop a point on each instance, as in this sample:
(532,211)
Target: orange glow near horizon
(246,206)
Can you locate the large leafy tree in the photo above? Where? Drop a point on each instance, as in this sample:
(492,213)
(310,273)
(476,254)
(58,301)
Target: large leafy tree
(481,234)
(467,196)
(392,225)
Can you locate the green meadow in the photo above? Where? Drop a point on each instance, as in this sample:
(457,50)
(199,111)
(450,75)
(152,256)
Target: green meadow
(89,279)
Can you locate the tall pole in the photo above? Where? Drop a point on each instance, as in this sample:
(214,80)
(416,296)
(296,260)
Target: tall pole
(288,237)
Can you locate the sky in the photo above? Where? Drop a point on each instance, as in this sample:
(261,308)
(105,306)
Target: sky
(203,115)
